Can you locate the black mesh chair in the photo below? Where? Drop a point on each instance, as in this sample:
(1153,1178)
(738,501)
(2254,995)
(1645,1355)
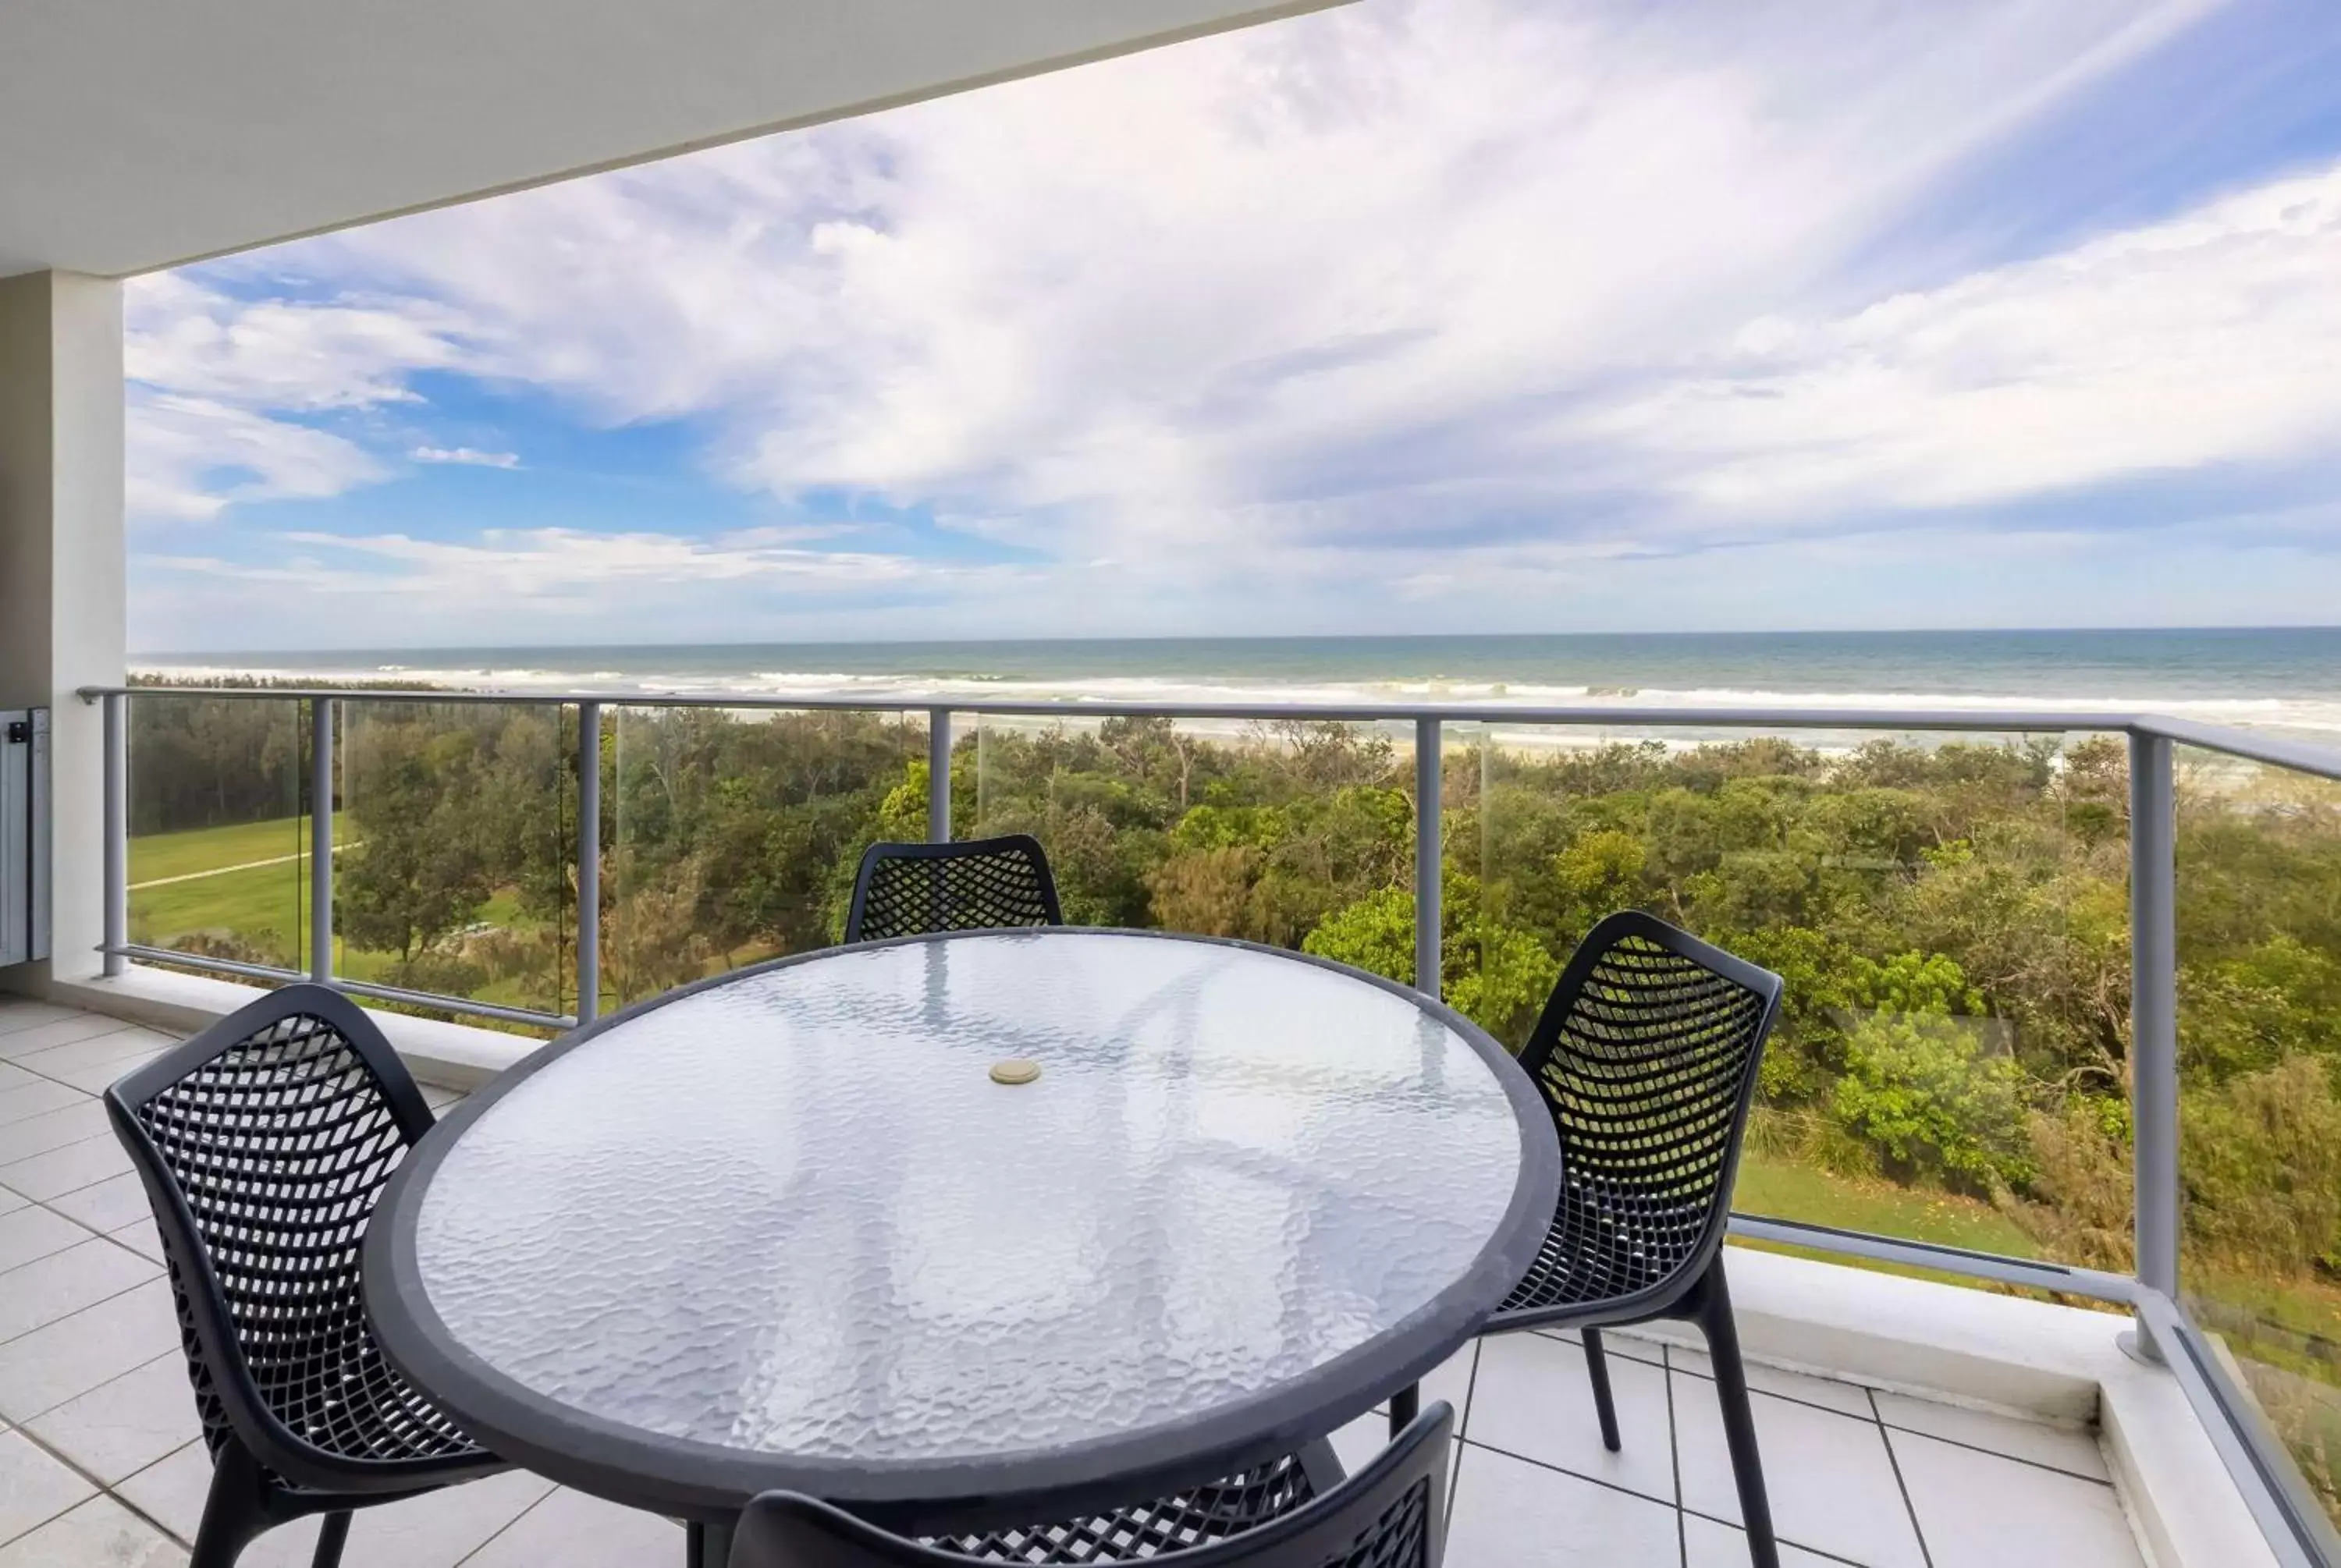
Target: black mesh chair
(911,890)
(1647,1057)
(263,1144)
(1390,1514)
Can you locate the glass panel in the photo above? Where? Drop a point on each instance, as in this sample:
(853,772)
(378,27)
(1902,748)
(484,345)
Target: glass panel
(1949,913)
(2259,1044)
(1299,835)
(219,843)
(458,872)
(738,833)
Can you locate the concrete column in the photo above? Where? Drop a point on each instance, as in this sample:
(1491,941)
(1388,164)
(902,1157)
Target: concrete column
(61,571)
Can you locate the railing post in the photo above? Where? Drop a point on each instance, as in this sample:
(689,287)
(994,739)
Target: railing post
(1428,853)
(321,839)
(939,750)
(2154,1016)
(116,854)
(589,861)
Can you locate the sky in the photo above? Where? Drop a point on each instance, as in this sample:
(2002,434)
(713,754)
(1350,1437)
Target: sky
(1408,316)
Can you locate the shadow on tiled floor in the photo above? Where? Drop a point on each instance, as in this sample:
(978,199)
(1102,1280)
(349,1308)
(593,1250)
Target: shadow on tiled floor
(100,1462)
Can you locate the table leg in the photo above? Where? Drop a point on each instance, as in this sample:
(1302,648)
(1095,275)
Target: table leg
(1405,1405)
(707,1545)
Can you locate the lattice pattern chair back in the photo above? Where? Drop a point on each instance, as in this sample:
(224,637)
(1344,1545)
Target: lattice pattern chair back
(1390,1514)
(911,890)
(263,1144)
(1647,1054)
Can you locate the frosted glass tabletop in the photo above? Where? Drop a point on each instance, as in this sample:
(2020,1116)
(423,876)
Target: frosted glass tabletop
(789,1229)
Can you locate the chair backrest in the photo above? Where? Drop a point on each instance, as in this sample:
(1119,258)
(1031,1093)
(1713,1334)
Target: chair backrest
(1390,1514)
(263,1144)
(911,890)
(1647,1056)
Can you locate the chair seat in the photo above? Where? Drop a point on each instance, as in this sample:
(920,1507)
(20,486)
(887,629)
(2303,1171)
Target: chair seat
(357,1407)
(1605,1248)
(1195,1518)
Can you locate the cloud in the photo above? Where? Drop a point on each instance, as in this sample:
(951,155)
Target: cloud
(2210,339)
(1467,303)
(503,566)
(465,456)
(187,459)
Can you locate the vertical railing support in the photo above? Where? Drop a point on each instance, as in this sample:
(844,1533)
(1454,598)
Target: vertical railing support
(321,839)
(1426,857)
(117,830)
(939,750)
(2154,1016)
(589,861)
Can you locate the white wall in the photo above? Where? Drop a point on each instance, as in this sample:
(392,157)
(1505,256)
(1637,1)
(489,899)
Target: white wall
(61,568)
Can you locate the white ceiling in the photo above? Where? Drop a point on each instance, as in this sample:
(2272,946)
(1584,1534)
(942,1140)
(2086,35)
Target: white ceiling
(139,134)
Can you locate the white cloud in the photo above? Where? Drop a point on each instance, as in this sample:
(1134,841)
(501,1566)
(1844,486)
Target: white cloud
(470,457)
(1460,302)
(2213,338)
(503,566)
(189,458)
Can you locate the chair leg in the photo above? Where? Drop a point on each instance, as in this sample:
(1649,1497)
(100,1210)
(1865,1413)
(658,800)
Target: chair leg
(1404,1406)
(331,1534)
(1597,1367)
(1715,1321)
(234,1511)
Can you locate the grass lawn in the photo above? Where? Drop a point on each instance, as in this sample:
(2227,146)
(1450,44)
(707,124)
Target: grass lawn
(157,855)
(1786,1191)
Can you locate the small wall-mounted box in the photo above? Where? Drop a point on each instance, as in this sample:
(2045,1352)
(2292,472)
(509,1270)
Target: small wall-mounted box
(23,835)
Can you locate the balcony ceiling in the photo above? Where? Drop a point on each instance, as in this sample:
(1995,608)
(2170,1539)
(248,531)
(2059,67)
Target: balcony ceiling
(140,133)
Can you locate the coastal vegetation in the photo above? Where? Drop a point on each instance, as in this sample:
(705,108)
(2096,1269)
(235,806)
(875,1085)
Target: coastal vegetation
(1952,1062)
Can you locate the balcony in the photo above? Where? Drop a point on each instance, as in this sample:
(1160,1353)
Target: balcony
(2071,1410)
(103,1463)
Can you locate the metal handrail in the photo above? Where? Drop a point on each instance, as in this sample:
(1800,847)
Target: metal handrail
(2163,1332)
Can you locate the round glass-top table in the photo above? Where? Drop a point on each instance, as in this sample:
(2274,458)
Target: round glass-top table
(785,1228)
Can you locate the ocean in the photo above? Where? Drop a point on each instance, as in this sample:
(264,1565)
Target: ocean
(2281,678)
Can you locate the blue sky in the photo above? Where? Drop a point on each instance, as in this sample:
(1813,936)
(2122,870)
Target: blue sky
(1454,315)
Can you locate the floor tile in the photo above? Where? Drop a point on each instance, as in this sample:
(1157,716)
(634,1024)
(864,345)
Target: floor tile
(1831,1484)
(1846,1398)
(1533,1398)
(1614,1343)
(18,1014)
(52,1130)
(96,1077)
(100,1533)
(34,1098)
(107,1206)
(2061,1447)
(10,1201)
(34,1487)
(116,1050)
(74,1354)
(68,1169)
(141,1238)
(173,1493)
(122,1426)
(13,1077)
(581,1532)
(442,1528)
(1709,1544)
(46,1289)
(1980,1511)
(1451,1381)
(17,1044)
(172,1489)
(1509,1513)
(29,1233)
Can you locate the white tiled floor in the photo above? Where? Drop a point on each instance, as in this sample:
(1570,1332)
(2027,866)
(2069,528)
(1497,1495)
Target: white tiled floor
(100,1462)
